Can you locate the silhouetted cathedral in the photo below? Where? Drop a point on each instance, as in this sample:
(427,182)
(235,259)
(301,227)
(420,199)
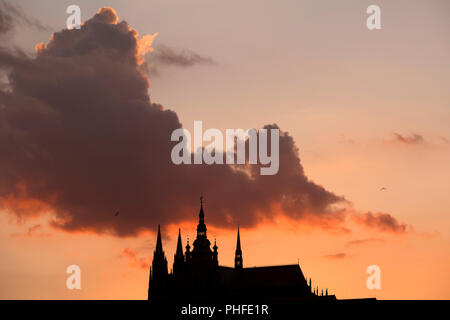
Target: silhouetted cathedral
(197,274)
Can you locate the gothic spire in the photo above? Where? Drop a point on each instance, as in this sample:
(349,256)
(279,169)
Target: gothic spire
(238,255)
(158,241)
(188,250)
(201,227)
(178,259)
(159,264)
(179,245)
(201,214)
(238,244)
(215,254)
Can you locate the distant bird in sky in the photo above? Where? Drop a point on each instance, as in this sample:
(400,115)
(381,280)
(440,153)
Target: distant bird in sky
(116,214)
(383,188)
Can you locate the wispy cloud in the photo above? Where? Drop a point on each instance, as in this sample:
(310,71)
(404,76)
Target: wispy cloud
(412,139)
(132,256)
(336,256)
(165,56)
(363,241)
(33,231)
(12,15)
(182,58)
(380,221)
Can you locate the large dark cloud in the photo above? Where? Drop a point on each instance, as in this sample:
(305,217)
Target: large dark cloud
(81,139)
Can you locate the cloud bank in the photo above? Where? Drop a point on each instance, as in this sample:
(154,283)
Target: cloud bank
(80,139)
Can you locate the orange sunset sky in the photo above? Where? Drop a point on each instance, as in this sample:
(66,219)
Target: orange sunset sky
(366,109)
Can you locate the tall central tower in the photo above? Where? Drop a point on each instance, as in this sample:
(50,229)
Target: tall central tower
(203,266)
(202,246)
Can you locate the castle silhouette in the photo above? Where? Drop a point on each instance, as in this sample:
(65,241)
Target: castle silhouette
(197,275)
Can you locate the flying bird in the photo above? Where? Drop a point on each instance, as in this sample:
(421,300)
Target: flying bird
(116,214)
(383,188)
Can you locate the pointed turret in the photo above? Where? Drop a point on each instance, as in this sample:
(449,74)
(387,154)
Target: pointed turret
(188,251)
(215,253)
(201,228)
(179,245)
(159,241)
(215,245)
(159,264)
(238,243)
(178,259)
(158,274)
(238,254)
(201,214)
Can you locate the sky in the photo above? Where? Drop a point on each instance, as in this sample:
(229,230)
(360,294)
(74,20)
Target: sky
(366,142)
